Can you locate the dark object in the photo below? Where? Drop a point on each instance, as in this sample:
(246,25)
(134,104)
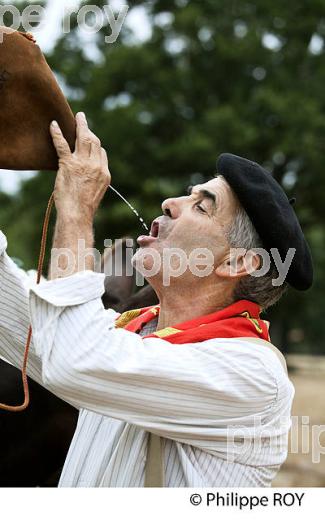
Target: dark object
(30,99)
(271,213)
(37,440)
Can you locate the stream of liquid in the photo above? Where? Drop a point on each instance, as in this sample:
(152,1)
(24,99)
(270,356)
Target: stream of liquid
(132,208)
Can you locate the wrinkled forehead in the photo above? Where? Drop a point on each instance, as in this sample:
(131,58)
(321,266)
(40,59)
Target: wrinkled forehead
(225,196)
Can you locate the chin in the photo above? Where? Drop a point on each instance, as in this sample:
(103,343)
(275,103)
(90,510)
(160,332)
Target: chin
(147,261)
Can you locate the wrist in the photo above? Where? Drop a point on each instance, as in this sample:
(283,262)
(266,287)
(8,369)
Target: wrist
(72,246)
(70,228)
(73,217)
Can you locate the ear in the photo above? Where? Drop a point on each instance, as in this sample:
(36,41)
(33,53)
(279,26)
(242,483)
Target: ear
(238,262)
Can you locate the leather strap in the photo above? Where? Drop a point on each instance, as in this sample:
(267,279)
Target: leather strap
(154,476)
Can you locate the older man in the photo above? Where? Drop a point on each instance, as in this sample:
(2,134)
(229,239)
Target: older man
(191,381)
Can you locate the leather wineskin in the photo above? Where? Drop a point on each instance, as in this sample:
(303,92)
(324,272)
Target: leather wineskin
(30,98)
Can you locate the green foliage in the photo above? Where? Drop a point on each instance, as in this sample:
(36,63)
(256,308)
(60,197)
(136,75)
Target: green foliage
(215,76)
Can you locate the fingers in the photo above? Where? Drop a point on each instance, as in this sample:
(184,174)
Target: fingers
(95,147)
(87,142)
(104,165)
(104,157)
(83,142)
(60,143)
(104,160)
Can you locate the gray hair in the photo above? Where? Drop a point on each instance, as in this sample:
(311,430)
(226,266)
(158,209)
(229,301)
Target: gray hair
(242,234)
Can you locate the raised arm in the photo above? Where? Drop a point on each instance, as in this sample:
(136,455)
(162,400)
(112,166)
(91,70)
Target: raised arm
(81,183)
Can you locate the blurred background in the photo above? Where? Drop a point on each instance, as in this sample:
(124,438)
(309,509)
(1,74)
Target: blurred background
(184,82)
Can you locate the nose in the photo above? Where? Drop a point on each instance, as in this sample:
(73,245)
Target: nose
(172,207)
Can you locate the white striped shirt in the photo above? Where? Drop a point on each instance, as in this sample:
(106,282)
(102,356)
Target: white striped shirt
(203,399)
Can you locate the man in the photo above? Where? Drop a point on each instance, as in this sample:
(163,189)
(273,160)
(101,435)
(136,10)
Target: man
(195,372)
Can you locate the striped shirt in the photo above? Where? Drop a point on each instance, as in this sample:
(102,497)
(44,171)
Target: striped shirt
(222,407)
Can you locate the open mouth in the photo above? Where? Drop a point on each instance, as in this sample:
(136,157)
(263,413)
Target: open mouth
(153,235)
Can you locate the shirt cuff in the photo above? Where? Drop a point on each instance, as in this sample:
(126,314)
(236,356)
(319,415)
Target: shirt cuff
(3,243)
(76,289)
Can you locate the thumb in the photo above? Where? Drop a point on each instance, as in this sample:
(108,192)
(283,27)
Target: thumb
(60,143)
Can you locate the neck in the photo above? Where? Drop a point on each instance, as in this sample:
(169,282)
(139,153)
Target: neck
(177,306)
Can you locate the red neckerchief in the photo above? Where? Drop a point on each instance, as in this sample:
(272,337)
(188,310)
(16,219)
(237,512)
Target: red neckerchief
(240,319)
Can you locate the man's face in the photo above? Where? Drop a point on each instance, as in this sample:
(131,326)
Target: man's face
(197,220)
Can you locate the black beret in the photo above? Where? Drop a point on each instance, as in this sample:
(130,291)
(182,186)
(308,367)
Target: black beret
(271,213)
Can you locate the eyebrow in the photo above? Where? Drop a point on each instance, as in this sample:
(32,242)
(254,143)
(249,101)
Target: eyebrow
(204,193)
